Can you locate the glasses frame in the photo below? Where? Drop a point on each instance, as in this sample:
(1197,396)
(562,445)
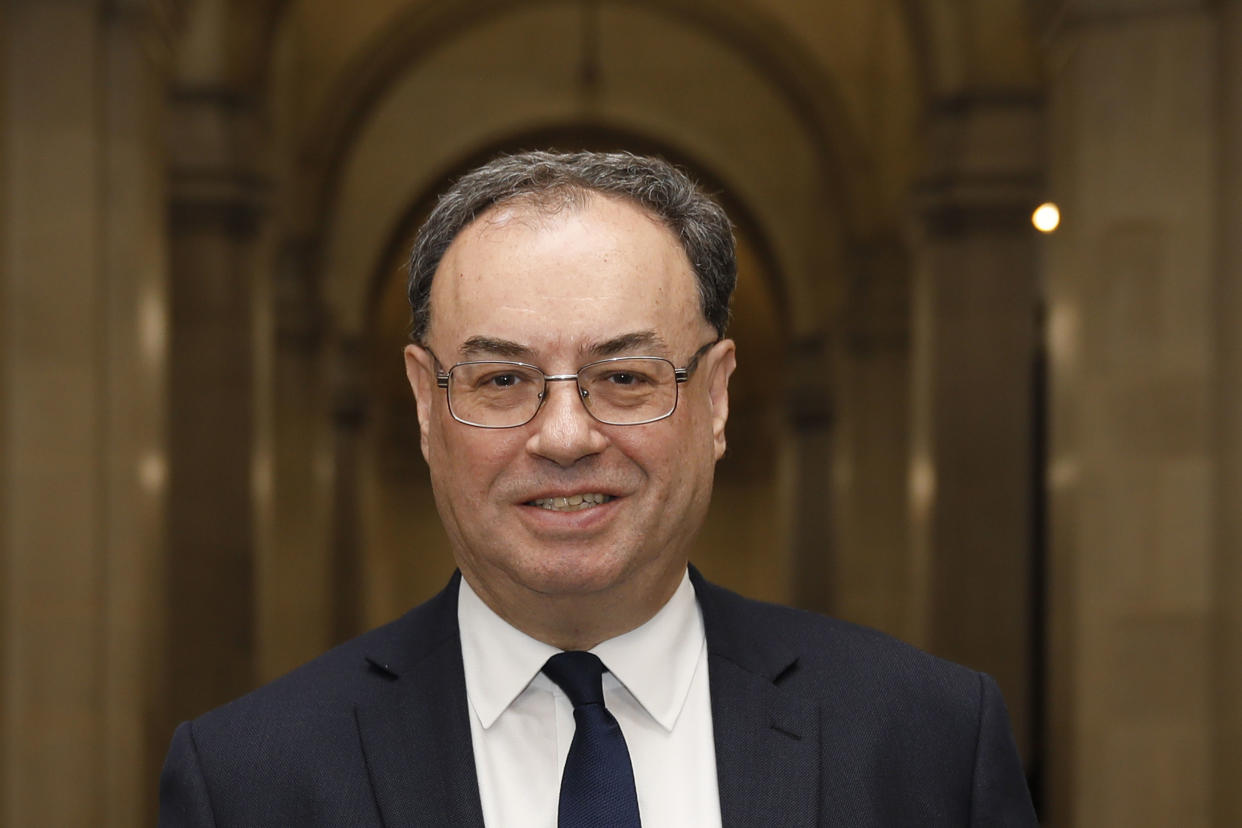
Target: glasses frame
(680,375)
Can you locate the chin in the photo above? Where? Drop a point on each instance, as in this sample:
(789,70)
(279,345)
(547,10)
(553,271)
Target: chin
(577,575)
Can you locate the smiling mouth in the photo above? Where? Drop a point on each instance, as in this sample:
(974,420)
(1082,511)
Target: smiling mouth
(572,503)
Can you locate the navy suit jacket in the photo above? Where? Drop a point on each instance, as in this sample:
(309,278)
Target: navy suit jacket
(816,722)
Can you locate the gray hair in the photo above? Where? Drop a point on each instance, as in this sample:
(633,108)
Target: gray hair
(552,180)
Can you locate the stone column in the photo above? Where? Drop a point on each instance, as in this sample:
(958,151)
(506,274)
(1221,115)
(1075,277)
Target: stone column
(53,450)
(7,394)
(1227,647)
(348,615)
(83,385)
(216,210)
(811,419)
(1131,291)
(871,581)
(975,301)
(138,47)
(295,584)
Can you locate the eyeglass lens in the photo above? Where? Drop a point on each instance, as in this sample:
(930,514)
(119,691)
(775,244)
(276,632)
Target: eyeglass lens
(625,391)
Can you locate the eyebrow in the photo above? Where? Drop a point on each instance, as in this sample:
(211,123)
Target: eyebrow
(647,340)
(477,346)
(485,346)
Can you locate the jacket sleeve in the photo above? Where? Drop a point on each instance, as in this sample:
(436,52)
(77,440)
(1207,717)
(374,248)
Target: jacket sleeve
(1001,798)
(184,802)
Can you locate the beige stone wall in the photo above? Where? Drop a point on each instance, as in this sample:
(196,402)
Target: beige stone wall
(1226,675)
(1132,287)
(84,351)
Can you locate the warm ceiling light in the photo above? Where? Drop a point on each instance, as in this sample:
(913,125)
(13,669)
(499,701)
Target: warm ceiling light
(1046,218)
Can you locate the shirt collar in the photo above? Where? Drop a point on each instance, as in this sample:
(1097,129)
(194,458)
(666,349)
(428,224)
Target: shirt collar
(655,662)
(499,659)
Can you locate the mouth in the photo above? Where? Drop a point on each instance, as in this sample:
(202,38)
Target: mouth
(570,503)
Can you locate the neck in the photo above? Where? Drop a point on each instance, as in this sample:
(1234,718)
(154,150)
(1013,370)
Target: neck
(578,620)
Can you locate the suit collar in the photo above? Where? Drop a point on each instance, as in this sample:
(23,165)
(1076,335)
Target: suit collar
(415,729)
(767,738)
(736,632)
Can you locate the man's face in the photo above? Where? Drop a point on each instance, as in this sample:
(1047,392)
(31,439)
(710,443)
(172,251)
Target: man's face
(559,291)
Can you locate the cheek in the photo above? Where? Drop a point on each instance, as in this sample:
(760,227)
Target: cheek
(672,460)
(470,460)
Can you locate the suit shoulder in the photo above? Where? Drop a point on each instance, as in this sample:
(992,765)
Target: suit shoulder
(820,651)
(330,685)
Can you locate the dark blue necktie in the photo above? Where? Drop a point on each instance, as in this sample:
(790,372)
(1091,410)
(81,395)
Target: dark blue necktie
(597,787)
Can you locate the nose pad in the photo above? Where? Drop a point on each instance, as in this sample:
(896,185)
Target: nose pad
(576,407)
(564,430)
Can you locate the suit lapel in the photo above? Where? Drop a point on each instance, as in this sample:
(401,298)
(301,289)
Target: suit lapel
(767,738)
(415,729)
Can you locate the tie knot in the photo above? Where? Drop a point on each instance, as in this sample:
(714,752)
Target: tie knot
(579,674)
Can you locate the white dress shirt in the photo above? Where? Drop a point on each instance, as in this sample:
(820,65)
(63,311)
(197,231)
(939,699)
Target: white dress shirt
(521,723)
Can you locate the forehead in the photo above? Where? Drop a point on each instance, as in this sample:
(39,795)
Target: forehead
(563,278)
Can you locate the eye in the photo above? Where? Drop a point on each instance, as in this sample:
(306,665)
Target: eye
(627,378)
(503,380)
(494,378)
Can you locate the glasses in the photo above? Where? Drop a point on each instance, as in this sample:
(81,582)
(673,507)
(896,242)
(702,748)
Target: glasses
(618,391)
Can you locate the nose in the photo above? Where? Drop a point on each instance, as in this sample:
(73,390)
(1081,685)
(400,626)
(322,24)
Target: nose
(563,430)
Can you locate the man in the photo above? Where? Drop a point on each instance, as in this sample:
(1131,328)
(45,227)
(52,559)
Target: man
(571,377)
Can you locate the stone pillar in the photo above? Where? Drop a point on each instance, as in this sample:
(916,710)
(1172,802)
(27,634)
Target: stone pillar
(1227,647)
(871,573)
(295,585)
(82,451)
(216,208)
(7,394)
(1130,283)
(975,302)
(348,616)
(811,418)
(137,43)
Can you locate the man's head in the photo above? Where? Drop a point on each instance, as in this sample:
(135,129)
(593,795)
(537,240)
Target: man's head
(549,179)
(571,526)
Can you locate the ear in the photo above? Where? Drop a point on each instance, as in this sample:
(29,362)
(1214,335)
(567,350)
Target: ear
(718,390)
(420,370)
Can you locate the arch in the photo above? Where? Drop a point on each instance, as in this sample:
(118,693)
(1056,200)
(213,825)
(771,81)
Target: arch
(804,211)
(772,53)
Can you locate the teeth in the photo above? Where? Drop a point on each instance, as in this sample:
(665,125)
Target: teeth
(573,503)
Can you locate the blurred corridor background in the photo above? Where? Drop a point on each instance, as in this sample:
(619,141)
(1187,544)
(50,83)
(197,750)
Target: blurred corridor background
(1021,451)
